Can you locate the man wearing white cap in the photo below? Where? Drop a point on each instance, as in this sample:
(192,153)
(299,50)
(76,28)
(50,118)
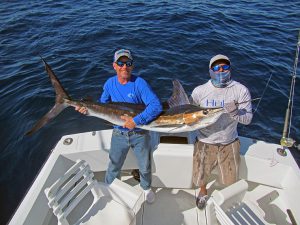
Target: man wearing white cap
(125,87)
(218,145)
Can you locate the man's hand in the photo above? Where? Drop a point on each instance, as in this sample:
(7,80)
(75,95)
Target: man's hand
(231,108)
(82,110)
(129,123)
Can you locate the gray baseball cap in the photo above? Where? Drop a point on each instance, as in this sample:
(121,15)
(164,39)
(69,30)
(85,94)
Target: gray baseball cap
(218,57)
(122,52)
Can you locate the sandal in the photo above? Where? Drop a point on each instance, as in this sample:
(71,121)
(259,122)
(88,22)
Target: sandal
(201,200)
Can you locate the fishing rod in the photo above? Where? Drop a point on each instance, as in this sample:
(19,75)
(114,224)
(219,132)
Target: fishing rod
(251,100)
(264,91)
(286,140)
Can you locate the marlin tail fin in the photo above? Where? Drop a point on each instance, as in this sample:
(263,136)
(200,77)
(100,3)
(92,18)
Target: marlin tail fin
(59,106)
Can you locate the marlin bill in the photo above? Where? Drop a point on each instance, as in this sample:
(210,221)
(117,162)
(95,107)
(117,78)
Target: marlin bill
(179,116)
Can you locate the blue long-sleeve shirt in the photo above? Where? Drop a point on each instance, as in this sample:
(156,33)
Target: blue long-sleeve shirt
(136,91)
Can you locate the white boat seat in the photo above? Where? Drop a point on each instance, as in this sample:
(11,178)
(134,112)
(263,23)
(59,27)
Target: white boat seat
(230,207)
(112,204)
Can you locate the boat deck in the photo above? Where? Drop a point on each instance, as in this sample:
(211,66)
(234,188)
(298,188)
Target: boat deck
(171,206)
(269,185)
(177,206)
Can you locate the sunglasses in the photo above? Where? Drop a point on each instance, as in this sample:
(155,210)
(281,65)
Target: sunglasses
(218,67)
(121,64)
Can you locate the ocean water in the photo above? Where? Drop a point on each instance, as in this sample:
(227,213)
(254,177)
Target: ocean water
(169,40)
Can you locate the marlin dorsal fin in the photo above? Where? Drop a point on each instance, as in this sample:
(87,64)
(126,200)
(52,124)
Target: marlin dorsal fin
(179,97)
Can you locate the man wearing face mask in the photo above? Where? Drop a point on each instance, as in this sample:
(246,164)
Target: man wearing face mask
(218,145)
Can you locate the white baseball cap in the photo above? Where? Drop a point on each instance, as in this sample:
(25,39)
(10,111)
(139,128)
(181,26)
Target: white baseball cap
(218,57)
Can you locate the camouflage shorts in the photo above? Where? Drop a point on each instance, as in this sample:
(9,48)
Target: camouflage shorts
(209,156)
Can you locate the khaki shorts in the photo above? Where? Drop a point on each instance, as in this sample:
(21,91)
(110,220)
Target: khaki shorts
(209,156)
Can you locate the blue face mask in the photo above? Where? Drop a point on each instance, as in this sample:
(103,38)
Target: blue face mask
(220,79)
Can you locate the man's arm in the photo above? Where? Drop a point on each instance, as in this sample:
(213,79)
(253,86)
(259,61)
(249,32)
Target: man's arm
(105,96)
(241,110)
(151,101)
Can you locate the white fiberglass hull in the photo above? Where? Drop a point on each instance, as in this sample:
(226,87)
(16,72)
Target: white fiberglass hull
(269,181)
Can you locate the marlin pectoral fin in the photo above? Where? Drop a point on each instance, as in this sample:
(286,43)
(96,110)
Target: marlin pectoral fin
(57,108)
(177,127)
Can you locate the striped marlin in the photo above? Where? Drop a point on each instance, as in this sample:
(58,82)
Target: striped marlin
(179,116)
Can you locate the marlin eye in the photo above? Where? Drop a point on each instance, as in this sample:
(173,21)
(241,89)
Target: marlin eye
(205,112)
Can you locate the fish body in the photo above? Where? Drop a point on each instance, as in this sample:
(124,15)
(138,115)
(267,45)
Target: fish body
(180,116)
